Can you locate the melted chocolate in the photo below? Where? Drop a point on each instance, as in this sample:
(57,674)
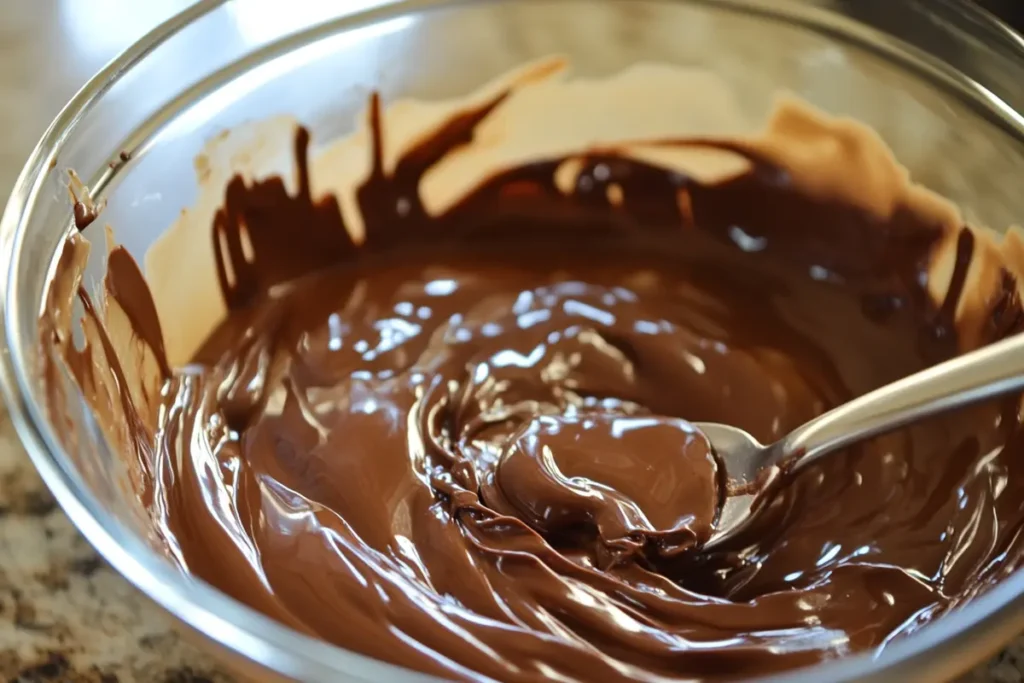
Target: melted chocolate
(462,446)
(84,209)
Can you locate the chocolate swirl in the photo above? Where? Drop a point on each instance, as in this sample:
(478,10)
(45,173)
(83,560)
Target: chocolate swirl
(458,439)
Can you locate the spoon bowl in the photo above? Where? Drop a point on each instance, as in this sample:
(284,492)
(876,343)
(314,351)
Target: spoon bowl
(742,470)
(750,473)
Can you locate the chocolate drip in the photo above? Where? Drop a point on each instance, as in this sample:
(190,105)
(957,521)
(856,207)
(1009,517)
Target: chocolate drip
(126,285)
(263,236)
(84,215)
(946,319)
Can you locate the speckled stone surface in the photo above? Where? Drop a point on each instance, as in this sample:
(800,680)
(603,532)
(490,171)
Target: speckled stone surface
(64,615)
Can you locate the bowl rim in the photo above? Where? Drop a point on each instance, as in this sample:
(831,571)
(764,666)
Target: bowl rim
(995,616)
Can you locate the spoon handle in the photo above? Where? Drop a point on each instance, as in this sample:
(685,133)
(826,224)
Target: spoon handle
(986,373)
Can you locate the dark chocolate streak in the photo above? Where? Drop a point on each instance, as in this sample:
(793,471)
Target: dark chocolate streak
(461,446)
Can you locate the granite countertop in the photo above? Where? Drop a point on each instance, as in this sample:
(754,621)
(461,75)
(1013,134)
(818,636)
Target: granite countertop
(65,615)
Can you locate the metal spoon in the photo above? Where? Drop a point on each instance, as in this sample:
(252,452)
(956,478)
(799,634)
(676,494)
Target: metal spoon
(754,472)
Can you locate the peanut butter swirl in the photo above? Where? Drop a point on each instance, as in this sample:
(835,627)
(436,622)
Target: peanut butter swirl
(443,415)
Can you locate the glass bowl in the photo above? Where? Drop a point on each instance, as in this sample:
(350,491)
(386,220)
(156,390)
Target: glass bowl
(938,79)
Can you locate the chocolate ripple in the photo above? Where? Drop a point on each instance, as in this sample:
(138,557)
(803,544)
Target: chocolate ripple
(463,443)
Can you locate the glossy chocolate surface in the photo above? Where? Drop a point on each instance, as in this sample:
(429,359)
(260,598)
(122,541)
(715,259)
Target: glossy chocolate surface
(461,443)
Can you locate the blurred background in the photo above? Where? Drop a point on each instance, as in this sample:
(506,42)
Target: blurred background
(64,616)
(49,48)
